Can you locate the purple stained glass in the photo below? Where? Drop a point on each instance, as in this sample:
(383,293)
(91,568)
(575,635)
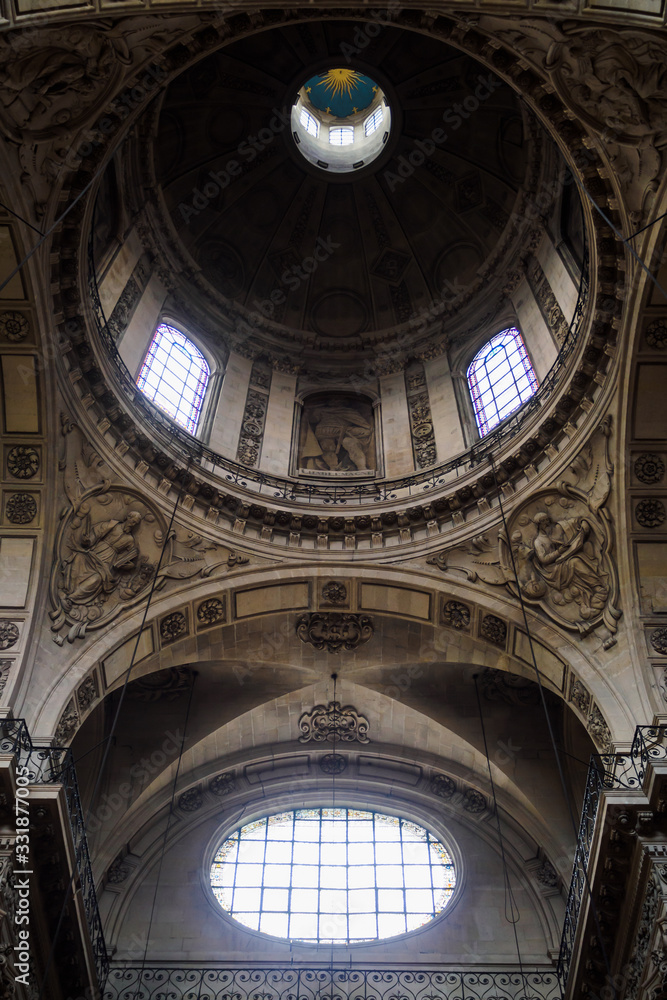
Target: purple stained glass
(174,376)
(501,378)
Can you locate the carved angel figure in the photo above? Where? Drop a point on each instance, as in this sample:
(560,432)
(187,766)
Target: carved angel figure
(565,559)
(101,556)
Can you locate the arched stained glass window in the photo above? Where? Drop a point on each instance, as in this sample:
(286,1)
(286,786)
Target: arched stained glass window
(500,379)
(333,875)
(174,376)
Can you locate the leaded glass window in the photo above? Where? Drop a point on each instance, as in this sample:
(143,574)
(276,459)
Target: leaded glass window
(374,121)
(309,122)
(341,136)
(174,376)
(333,875)
(500,378)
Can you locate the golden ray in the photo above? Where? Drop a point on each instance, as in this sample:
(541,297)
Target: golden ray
(341,81)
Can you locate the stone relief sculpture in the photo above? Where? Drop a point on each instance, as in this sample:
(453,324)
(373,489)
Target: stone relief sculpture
(337,434)
(617,80)
(109,543)
(557,550)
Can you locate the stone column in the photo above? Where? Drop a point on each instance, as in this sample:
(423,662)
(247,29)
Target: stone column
(226,425)
(277,442)
(444,410)
(558,276)
(134,343)
(542,348)
(396,437)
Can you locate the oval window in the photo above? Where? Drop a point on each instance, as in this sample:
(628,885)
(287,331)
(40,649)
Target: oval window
(332,875)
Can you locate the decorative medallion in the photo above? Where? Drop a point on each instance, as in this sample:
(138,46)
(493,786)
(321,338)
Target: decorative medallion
(87,693)
(334,631)
(211,611)
(68,724)
(14,326)
(443,786)
(22,461)
(191,801)
(659,640)
(107,553)
(556,551)
(493,629)
(223,784)
(455,615)
(649,468)
(333,763)
(116,872)
(21,508)
(331,723)
(599,730)
(474,801)
(580,696)
(173,627)
(650,513)
(547,875)
(656,334)
(334,593)
(9,633)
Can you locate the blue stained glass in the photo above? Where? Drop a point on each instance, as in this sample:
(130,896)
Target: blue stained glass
(501,378)
(174,376)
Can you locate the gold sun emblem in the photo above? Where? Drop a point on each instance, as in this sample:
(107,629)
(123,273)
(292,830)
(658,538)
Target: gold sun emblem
(341,81)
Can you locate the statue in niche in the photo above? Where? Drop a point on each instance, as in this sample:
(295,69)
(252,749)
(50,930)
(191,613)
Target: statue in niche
(337,435)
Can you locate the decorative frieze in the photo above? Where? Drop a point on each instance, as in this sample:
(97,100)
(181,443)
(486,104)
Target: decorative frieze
(545,298)
(254,415)
(421,421)
(129,299)
(333,724)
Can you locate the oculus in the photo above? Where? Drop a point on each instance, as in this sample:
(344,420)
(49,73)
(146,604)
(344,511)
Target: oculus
(332,875)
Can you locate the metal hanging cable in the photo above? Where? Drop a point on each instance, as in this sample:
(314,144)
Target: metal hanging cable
(514,914)
(166,835)
(552,737)
(69,891)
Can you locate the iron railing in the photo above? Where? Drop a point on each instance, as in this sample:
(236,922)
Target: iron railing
(606,771)
(332,493)
(327,984)
(54,765)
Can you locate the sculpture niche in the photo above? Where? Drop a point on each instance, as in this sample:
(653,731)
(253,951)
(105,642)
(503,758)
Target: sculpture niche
(337,435)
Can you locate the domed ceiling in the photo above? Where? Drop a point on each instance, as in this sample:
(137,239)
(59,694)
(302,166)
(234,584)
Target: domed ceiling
(347,256)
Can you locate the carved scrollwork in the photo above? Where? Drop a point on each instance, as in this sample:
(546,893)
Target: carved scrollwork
(331,723)
(334,631)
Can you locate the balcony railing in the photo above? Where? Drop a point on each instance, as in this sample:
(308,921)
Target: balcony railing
(54,765)
(327,984)
(606,771)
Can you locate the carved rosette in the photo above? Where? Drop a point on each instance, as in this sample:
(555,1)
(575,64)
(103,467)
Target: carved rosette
(223,784)
(649,468)
(334,631)
(455,615)
(211,611)
(333,724)
(21,508)
(443,786)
